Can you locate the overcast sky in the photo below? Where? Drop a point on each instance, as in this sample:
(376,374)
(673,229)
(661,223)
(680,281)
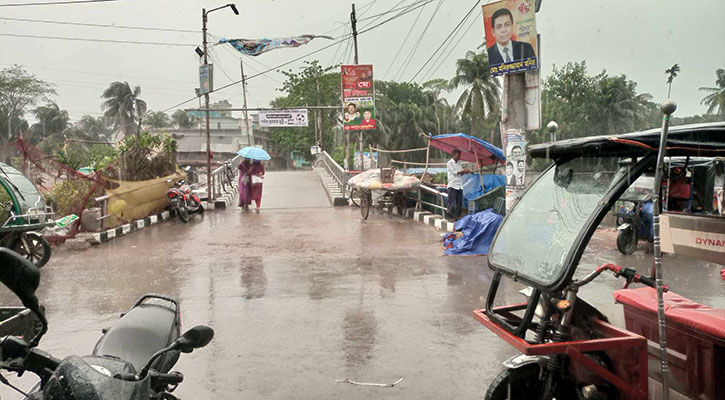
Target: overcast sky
(637,38)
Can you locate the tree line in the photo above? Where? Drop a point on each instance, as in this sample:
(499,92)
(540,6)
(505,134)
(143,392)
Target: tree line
(583,104)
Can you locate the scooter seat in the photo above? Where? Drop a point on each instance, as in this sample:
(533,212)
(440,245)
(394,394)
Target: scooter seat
(678,309)
(141,332)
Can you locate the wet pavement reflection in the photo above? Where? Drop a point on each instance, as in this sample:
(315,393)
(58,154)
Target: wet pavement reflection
(301,297)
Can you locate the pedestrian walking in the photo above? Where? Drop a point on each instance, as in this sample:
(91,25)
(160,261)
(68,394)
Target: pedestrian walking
(256,174)
(455,185)
(245,184)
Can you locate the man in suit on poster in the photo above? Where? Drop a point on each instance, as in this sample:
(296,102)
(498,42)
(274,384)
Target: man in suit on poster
(506,50)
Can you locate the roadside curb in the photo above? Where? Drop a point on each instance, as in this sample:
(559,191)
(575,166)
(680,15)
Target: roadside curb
(125,229)
(425,217)
(222,202)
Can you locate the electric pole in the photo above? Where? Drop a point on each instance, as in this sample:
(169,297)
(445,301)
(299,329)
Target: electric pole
(206,113)
(244,92)
(353,20)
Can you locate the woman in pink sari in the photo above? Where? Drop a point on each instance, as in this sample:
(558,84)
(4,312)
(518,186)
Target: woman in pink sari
(245,184)
(256,175)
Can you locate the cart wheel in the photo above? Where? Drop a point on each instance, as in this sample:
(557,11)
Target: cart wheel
(401,203)
(354,192)
(38,251)
(524,384)
(365,201)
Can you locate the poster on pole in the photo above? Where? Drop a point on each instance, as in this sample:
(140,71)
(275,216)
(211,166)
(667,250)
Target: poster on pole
(283,118)
(510,29)
(357,97)
(515,166)
(206,81)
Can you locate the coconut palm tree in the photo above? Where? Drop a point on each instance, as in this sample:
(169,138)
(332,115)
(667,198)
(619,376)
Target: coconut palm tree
(182,120)
(621,108)
(482,91)
(94,128)
(123,106)
(716,99)
(53,127)
(671,75)
(157,120)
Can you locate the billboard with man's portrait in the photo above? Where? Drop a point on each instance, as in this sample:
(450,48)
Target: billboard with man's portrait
(510,28)
(357,95)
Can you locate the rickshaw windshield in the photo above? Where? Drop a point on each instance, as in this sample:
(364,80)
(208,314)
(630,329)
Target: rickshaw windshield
(539,233)
(23,190)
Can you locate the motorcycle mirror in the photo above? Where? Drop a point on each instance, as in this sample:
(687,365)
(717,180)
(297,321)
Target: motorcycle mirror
(22,278)
(196,337)
(563,176)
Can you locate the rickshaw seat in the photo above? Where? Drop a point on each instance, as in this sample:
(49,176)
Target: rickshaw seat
(678,309)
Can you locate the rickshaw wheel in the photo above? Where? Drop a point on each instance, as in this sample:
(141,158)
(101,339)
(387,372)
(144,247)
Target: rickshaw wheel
(525,385)
(401,203)
(627,241)
(365,200)
(38,252)
(354,192)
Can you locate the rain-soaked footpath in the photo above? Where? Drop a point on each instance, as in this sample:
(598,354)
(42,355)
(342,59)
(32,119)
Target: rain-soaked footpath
(302,294)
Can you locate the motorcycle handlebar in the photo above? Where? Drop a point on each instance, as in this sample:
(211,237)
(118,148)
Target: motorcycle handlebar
(648,281)
(33,359)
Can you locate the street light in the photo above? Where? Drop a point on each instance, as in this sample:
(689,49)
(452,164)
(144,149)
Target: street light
(204,14)
(552,127)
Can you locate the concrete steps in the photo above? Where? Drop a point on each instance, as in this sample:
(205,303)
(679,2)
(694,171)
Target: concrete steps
(332,188)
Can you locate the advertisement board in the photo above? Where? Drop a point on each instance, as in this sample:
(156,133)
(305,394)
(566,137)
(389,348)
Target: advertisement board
(358,98)
(283,118)
(510,29)
(206,78)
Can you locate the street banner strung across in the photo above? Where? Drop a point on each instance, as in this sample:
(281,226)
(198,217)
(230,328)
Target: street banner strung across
(510,29)
(357,97)
(283,118)
(255,47)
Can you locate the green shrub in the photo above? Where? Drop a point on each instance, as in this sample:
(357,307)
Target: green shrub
(67,198)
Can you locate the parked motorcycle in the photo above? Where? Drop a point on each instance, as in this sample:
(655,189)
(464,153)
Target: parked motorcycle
(130,362)
(183,201)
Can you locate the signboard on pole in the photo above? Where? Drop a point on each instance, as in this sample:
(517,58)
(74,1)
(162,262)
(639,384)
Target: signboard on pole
(206,78)
(510,27)
(357,96)
(283,118)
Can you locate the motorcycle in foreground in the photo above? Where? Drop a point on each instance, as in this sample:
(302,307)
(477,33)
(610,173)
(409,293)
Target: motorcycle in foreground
(130,362)
(569,349)
(183,201)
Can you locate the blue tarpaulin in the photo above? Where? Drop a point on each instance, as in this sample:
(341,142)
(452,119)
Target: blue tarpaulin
(478,232)
(472,185)
(472,149)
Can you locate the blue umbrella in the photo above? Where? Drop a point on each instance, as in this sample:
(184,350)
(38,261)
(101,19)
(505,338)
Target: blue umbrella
(254,153)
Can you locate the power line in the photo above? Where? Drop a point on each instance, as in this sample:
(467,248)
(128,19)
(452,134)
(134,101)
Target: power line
(403,43)
(432,71)
(465,17)
(54,3)
(118,76)
(98,25)
(385,13)
(410,56)
(303,56)
(97,40)
(394,10)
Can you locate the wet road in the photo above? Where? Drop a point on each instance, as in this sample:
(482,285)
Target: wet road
(301,294)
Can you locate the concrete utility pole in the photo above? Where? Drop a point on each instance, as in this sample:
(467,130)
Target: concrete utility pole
(204,14)
(244,92)
(206,113)
(353,20)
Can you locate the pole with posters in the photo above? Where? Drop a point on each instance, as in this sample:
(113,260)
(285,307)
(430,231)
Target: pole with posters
(358,100)
(511,40)
(353,20)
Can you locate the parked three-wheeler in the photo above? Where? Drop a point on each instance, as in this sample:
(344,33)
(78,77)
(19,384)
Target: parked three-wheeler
(569,349)
(23,214)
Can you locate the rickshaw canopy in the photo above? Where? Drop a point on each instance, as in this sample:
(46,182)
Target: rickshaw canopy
(23,193)
(473,149)
(703,140)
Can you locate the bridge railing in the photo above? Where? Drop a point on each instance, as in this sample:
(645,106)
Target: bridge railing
(438,206)
(222,177)
(337,172)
